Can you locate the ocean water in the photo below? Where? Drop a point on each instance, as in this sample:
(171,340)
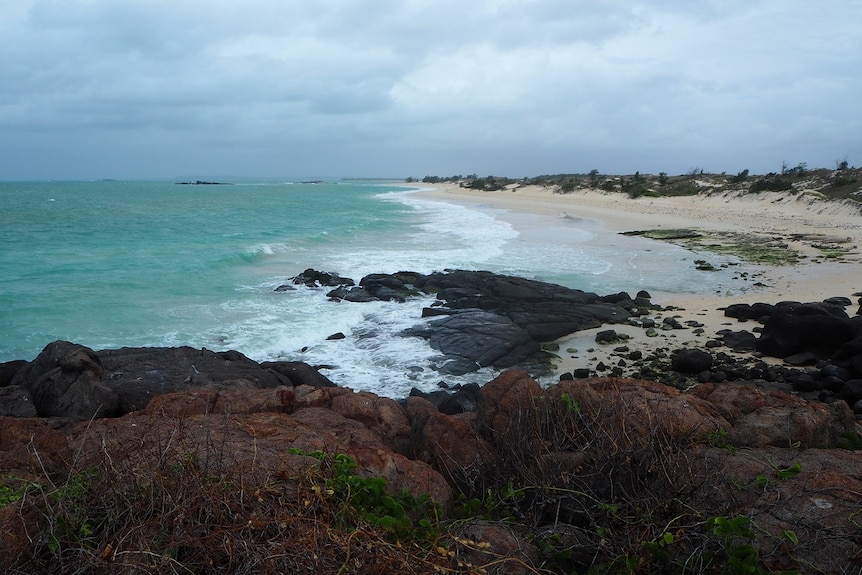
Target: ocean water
(109,264)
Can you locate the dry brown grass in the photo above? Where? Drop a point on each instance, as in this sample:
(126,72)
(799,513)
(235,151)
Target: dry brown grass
(590,483)
(174,504)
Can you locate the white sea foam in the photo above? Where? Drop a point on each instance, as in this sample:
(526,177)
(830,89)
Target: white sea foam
(294,326)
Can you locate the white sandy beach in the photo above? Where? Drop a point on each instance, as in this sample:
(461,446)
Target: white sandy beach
(800,221)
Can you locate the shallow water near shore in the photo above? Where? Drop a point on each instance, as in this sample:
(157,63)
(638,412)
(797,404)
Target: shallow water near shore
(114,264)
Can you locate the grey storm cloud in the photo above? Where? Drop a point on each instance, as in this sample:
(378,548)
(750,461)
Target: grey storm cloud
(133,88)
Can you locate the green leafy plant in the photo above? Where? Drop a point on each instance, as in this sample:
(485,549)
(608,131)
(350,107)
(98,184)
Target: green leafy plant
(716,438)
(13,490)
(367,499)
(788,472)
(571,404)
(762,481)
(779,473)
(736,537)
(850,440)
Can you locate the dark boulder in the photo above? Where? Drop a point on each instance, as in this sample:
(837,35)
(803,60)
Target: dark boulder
(691,361)
(739,340)
(15,401)
(8,370)
(607,336)
(622,299)
(851,391)
(138,374)
(298,373)
(831,370)
(461,399)
(66,380)
(815,327)
(314,278)
(800,359)
(739,311)
(436,398)
(805,383)
(354,294)
(832,383)
(378,287)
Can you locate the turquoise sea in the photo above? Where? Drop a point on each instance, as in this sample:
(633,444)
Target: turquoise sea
(110,264)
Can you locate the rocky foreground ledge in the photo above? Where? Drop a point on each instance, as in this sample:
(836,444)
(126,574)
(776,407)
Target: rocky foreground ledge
(582,475)
(175,459)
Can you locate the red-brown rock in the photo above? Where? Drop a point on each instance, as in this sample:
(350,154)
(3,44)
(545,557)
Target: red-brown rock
(505,403)
(761,418)
(449,443)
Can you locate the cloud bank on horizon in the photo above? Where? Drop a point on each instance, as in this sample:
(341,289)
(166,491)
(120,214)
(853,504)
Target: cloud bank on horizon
(369,88)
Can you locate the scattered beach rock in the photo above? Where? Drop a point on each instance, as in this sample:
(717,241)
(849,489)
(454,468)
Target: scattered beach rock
(691,361)
(739,340)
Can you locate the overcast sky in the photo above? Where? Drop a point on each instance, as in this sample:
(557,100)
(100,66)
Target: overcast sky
(396,88)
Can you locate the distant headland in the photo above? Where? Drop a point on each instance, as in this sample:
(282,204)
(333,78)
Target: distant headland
(203,183)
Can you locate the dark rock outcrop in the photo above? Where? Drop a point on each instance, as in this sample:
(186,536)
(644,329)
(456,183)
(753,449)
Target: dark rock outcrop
(66,380)
(546,311)
(489,319)
(72,381)
(313,278)
(691,361)
(815,327)
(137,375)
(500,321)
(473,338)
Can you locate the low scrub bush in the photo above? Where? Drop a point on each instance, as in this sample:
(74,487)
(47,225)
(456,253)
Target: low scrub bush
(178,507)
(584,478)
(771,185)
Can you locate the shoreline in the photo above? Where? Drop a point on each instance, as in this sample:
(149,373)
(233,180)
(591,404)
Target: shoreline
(799,222)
